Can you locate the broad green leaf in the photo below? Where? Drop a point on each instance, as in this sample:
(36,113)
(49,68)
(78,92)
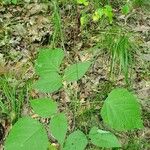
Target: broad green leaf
(48,61)
(103,138)
(84,2)
(76,71)
(58,127)
(49,83)
(44,107)
(27,134)
(76,141)
(121,111)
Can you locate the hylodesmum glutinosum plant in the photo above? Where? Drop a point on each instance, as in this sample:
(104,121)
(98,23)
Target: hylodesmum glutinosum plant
(121,112)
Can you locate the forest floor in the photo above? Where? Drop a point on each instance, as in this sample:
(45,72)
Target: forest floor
(26,27)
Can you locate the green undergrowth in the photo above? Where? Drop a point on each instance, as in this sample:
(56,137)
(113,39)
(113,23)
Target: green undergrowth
(106,117)
(119,104)
(12,98)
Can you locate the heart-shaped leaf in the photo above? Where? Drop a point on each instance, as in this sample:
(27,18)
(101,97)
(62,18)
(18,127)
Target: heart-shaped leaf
(121,111)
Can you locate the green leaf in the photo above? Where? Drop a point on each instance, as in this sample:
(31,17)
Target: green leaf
(49,83)
(76,141)
(98,14)
(48,61)
(58,127)
(84,2)
(76,71)
(84,20)
(14,1)
(108,11)
(103,138)
(44,107)
(121,111)
(27,134)
(126,9)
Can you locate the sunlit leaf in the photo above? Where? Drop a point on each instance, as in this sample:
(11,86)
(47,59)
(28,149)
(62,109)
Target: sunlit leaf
(108,11)
(84,2)
(84,20)
(98,14)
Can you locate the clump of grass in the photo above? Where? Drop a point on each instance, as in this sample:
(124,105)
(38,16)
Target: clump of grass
(11,100)
(121,50)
